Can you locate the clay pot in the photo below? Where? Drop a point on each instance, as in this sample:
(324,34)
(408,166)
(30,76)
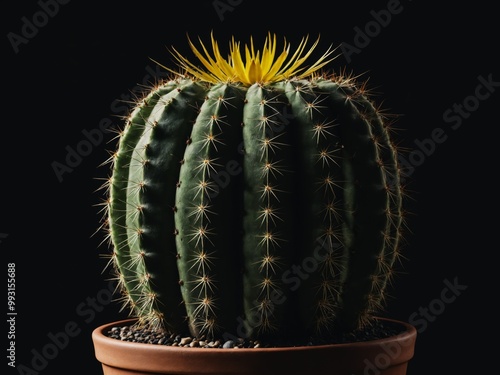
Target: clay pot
(388,356)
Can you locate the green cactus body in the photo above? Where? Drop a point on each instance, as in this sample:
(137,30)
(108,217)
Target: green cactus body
(323,257)
(248,209)
(208,240)
(142,199)
(268,245)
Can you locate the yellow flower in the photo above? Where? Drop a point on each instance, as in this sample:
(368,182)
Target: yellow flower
(262,67)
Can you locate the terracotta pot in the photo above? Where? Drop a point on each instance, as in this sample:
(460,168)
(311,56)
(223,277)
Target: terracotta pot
(388,356)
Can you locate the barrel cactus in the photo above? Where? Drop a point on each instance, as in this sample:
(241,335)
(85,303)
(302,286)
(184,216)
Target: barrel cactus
(255,196)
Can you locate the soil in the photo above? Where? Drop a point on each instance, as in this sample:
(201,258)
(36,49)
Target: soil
(379,329)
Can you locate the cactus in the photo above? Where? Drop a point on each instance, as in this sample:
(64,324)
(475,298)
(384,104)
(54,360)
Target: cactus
(255,197)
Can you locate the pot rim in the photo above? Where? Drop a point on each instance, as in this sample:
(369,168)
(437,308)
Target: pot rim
(386,352)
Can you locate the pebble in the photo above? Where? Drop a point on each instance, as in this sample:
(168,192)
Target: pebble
(228,344)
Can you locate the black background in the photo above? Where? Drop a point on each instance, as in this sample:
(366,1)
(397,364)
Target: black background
(71,75)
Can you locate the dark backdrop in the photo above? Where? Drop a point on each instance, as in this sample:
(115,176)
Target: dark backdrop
(68,67)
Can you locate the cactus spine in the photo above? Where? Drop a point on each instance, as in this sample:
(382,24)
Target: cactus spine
(255,198)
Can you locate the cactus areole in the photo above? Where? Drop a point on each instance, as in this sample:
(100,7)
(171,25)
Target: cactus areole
(252,196)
